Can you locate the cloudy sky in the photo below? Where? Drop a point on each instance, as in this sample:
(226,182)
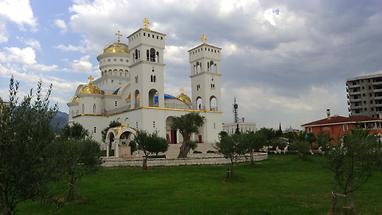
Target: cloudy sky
(285,61)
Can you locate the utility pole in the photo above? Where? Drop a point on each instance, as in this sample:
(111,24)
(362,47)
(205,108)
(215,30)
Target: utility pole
(236,115)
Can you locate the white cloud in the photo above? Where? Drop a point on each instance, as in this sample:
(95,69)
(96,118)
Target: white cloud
(25,59)
(32,78)
(3,32)
(24,56)
(43,67)
(176,54)
(261,103)
(19,12)
(86,46)
(59,23)
(35,44)
(82,65)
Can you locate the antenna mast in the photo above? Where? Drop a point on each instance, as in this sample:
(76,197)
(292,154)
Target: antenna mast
(235,111)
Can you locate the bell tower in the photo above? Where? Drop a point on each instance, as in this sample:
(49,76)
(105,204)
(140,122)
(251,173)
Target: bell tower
(147,67)
(205,76)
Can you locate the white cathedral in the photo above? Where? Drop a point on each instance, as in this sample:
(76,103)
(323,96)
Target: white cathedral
(131,91)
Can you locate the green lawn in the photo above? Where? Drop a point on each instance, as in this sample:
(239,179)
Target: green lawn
(279,185)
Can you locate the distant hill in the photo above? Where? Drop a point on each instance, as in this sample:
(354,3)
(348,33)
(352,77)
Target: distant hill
(59,121)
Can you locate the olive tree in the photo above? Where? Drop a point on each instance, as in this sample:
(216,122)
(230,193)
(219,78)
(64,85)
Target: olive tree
(232,147)
(254,142)
(70,159)
(187,124)
(149,144)
(352,161)
(24,134)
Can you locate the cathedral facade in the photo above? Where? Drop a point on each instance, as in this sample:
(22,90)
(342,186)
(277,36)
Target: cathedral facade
(130,90)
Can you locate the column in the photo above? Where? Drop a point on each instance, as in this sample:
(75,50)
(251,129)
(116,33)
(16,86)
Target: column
(116,150)
(107,148)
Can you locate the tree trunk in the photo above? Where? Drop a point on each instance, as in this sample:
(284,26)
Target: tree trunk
(8,205)
(145,162)
(70,187)
(252,159)
(7,210)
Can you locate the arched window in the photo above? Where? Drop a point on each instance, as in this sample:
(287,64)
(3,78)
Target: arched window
(147,55)
(153,98)
(199,103)
(211,66)
(94,108)
(136,99)
(157,57)
(136,54)
(152,55)
(213,103)
(83,108)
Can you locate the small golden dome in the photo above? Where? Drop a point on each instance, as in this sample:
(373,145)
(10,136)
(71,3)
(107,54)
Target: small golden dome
(90,88)
(184,98)
(75,99)
(116,48)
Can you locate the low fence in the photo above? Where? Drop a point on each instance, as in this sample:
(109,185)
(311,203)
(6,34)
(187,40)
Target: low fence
(203,160)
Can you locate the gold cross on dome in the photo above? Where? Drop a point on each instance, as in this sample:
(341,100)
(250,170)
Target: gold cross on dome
(119,35)
(204,38)
(146,23)
(90,78)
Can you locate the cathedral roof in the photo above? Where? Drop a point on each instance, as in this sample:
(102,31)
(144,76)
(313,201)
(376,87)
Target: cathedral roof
(90,88)
(184,98)
(116,47)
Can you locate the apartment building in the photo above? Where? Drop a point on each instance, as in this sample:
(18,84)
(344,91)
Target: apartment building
(364,95)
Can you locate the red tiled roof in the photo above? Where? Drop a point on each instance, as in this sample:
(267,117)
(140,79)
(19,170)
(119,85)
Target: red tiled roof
(340,119)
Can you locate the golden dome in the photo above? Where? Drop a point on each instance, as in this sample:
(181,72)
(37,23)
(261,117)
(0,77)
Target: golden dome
(75,99)
(116,48)
(90,88)
(184,98)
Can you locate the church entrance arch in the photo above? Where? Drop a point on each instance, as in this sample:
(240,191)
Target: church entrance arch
(110,137)
(171,134)
(126,135)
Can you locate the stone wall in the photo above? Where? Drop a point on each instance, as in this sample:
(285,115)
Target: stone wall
(202,159)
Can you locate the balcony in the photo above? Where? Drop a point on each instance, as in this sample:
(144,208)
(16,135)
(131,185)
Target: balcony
(355,93)
(355,100)
(350,86)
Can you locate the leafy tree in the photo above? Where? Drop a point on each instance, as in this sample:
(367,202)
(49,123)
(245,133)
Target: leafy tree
(74,131)
(231,147)
(310,138)
(187,124)
(112,124)
(71,159)
(254,141)
(149,144)
(24,134)
(222,134)
(352,161)
(323,141)
(302,147)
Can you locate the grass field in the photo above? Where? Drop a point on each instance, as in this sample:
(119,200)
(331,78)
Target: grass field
(279,185)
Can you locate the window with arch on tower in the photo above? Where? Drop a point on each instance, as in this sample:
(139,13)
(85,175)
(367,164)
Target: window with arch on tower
(152,55)
(94,108)
(213,103)
(153,78)
(199,103)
